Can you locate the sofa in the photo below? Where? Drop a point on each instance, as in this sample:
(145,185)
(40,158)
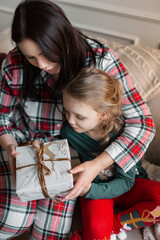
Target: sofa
(143,65)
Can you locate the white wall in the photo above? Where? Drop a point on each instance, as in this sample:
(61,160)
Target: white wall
(121,20)
(6,12)
(126,21)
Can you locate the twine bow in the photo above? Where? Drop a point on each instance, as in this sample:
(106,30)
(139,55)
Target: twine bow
(40,167)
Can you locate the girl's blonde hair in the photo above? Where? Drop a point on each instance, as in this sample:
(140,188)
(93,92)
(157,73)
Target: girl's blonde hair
(103,93)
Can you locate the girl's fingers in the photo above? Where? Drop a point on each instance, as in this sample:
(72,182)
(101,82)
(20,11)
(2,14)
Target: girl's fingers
(77,169)
(75,192)
(84,179)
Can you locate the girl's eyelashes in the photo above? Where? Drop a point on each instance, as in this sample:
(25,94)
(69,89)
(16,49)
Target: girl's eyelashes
(77,116)
(80,117)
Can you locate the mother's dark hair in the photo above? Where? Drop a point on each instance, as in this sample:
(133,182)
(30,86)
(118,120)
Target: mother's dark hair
(45,23)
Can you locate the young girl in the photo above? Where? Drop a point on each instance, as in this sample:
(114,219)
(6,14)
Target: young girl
(49,52)
(93,104)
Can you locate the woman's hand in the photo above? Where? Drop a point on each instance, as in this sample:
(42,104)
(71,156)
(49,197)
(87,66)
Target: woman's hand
(87,172)
(12,154)
(9,144)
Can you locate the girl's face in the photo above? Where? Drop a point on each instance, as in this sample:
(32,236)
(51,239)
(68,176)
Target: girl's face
(34,55)
(80,116)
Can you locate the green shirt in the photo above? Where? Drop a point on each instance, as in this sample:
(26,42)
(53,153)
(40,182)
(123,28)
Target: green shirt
(102,187)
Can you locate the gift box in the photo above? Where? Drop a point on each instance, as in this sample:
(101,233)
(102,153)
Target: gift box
(42,170)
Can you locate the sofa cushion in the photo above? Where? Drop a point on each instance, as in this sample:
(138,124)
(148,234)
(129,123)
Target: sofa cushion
(143,65)
(111,44)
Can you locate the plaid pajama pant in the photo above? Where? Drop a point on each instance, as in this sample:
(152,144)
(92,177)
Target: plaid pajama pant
(46,219)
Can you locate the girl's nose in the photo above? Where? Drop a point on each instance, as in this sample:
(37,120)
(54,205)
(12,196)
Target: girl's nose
(71,120)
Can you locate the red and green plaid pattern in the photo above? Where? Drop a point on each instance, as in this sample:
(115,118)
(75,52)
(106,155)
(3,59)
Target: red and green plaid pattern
(48,220)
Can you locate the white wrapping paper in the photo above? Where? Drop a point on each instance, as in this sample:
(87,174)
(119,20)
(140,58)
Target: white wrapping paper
(59,182)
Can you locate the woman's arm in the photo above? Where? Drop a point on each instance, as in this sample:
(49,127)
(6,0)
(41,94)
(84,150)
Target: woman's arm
(138,132)
(139,127)
(8,103)
(9,144)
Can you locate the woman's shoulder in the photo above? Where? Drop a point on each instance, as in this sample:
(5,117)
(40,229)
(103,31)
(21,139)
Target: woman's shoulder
(96,45)
(12,67)
(102,54)
(14,59)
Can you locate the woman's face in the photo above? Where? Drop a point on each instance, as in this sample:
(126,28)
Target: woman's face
(34,55)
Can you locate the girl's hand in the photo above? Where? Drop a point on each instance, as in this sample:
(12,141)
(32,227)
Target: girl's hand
(85,191)
(12,154)
(87,172)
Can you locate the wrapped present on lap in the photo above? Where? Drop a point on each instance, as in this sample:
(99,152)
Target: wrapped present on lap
(42,170)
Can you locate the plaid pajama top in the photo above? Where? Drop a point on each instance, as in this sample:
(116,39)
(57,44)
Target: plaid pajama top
(43,120)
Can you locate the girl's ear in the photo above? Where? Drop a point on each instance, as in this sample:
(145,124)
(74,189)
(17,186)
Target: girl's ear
(103,116)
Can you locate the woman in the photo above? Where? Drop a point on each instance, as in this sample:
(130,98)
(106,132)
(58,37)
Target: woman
(49,53)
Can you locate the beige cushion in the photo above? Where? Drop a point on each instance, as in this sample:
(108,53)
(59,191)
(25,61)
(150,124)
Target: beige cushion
(111,44)
(152,170)
(143,65)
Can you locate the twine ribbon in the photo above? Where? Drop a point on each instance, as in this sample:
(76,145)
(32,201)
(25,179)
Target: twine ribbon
(41,167)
